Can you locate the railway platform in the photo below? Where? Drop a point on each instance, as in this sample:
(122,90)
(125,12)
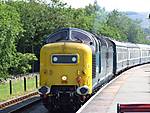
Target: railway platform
(130,87)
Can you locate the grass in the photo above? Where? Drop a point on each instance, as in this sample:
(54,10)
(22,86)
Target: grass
(17,88)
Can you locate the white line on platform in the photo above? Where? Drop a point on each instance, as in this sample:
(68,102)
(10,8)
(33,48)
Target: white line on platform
(81,109)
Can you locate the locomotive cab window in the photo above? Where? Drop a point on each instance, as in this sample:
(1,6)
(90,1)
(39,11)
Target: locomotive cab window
(79,36)
(64,59)
(62,35)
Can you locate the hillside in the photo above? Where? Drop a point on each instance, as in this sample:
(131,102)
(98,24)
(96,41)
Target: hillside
(140,16)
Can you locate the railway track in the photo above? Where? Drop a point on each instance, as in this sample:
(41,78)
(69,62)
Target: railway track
(24,107)
(19,104)
(26,104)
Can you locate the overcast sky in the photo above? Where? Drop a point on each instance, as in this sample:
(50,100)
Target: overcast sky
(109,5)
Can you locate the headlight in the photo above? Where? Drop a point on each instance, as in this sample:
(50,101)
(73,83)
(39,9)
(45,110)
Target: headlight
(64,78)
(74,59)
(55,59)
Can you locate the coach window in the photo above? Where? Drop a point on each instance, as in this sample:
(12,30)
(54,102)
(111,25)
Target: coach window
(62,35)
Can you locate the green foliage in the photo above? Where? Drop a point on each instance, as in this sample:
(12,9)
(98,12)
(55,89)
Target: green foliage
(110,31)
(127,29)
(35,20)
(22,63)
(25,24)
(10,27)
(135,33)
(10,32)
(119,22)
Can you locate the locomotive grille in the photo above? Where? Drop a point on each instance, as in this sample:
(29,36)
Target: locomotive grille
(60,88)
(93,66)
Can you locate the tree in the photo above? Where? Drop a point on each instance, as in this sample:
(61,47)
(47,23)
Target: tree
(10,27)
(23,63)
(136,33)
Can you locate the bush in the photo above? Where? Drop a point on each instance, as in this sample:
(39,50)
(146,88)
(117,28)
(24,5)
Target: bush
(22,63)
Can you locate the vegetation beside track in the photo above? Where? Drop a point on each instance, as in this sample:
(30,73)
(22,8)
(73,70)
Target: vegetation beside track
(18,88)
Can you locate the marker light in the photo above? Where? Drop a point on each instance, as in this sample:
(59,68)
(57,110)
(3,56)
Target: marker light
(64,78)
(79,79)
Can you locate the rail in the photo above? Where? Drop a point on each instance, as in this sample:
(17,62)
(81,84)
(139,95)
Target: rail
(25,106)
(16,100)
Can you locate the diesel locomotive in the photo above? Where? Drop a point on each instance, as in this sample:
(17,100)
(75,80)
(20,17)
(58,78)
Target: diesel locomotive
(74,63)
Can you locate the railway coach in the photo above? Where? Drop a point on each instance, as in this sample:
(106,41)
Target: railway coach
(74,63)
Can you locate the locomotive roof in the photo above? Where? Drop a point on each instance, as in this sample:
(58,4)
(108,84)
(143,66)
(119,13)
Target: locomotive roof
(70,34)
(124,44)
(117,43)
(131,45)
(82,36)
(110,43)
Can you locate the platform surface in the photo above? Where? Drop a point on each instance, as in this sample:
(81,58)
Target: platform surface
(133,86)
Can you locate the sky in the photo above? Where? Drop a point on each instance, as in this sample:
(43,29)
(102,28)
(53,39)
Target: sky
(109,5)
